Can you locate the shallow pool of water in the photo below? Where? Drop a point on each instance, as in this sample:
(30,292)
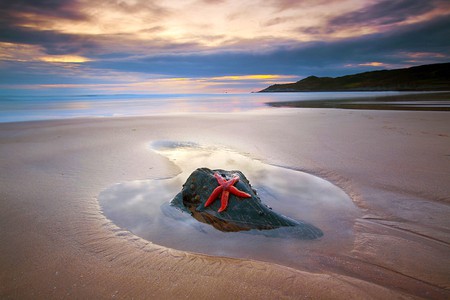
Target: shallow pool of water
(142,207)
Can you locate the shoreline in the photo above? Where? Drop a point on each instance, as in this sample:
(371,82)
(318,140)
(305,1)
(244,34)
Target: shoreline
(117,106)
(58,243)
(425,101)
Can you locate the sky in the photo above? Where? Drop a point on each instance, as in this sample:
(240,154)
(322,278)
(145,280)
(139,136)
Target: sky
(54,47)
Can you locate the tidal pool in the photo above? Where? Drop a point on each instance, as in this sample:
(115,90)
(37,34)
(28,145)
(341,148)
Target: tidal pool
(142,207)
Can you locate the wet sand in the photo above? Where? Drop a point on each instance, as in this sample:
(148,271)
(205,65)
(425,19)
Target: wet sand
(424,101)
(55,241)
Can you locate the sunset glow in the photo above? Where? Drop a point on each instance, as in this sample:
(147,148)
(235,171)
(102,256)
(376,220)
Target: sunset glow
(64,59)
(213,45)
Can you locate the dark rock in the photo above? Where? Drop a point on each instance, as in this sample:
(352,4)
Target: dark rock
(242,214)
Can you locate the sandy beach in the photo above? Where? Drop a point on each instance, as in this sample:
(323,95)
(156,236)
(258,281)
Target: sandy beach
(395,165)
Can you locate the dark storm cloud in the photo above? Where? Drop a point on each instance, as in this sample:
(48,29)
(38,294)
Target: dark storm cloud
(117,53)
(390,48)
(384,13)
(52,42)
(18,14)
(318,58)
(13,31)
(386,47)
(12,10)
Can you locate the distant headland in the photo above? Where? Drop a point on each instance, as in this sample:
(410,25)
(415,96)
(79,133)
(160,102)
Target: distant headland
(434,77)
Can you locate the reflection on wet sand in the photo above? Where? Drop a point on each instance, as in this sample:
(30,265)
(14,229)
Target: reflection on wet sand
(143,208)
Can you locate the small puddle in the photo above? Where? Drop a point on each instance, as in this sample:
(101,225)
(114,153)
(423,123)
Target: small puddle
(142,207)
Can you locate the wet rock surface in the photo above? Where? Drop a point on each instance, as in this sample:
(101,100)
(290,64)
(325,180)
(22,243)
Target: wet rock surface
(241,214)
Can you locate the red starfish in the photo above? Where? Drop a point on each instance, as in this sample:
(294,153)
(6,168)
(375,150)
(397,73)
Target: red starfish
(225,187)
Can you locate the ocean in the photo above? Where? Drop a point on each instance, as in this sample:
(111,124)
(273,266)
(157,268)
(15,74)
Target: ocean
(32,108)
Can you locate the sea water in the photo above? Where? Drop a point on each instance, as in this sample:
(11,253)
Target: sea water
(30,108)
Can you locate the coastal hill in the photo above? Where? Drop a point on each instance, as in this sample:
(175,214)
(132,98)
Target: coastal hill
(435,77)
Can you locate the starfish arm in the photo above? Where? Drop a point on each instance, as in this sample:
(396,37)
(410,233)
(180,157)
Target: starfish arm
(219,178)
(224,201)
(238,193)
(213,195)
(232,181)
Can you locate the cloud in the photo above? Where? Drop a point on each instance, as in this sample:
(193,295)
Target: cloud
(70,42)
(282,5)
(21,19)
(320,58)
(277,20)
(53,42)
(213,2)
(377,17)
(64,59)
(14,11)
(385,12)
(152,7)
(19,11)
(70,27)
(412,45)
